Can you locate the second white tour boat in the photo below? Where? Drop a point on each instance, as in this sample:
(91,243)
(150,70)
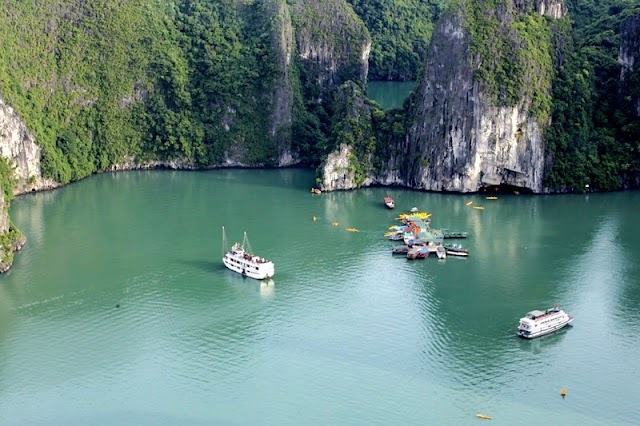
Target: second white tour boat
(239,259)
(539,323)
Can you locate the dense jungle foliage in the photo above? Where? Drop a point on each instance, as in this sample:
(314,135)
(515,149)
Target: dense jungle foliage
(97,82)
(400,32)
(594,138)
(102,81)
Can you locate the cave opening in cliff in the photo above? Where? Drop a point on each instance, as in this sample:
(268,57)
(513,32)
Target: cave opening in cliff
(504,189)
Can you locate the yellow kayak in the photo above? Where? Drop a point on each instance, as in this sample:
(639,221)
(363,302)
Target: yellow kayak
(483,416)
(469,203)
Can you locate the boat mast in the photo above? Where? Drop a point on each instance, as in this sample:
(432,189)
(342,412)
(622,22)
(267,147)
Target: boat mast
(224,242)
(245,243)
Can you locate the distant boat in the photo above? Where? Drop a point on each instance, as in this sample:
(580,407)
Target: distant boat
(456,250)
(239,259)
(388,201)
(316,191)
(492,198)
(539,323)
(414,210)
(403,249)
(478,207)
(454,234)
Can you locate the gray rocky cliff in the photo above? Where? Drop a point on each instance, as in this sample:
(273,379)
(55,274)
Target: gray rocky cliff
(18,147)
(12,240)
(629,56)
(332,43)
(19,150)
(283,45)
(351,164)
(460,137)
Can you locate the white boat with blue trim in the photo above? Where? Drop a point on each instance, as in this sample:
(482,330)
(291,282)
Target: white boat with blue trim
(539,323)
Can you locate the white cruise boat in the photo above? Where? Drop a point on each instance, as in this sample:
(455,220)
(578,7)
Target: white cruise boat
(539,323)
(239,260)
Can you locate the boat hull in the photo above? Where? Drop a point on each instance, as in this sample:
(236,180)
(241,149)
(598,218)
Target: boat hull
(526,334)
(249,269)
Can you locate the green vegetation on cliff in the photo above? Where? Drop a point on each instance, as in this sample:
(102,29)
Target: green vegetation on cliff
(594,138)
(511,54)
(400,32)
(97,82)
(195,80)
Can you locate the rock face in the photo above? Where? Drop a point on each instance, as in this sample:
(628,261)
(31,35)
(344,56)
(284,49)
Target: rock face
(12,239)
(460,137)
(332,43)
(459,140)
(629,56)
(18,146)
(283,44)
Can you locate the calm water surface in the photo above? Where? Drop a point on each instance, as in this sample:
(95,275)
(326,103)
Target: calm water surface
(389,94)
(344,333)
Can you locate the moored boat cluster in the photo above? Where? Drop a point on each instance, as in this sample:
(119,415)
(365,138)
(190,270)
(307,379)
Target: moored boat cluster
(419,239)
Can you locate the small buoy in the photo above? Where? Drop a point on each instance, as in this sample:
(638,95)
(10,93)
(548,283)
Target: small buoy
(314,218)
(483,416)
(563,392)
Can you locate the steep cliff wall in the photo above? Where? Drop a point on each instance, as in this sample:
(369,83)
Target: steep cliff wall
(283,45)
(18,147)
(11,239)
(478,115)
(629,59)
(332,43)
(471,127)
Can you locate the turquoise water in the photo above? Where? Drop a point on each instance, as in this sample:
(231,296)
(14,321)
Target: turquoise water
(119,311)
(389,94)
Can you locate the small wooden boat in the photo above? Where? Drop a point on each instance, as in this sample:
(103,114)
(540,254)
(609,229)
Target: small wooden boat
(316,191)
(388,201)
(469,203)
(492,198)
(400,249)
(478,207)
(352,230)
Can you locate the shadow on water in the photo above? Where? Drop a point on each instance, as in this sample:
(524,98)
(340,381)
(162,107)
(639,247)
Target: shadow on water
(541,343)
(203,265)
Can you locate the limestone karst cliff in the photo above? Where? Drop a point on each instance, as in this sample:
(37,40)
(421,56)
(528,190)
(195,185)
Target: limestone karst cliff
(470,126)
(629,59)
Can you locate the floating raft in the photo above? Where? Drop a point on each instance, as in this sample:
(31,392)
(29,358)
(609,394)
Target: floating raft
(414,216)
